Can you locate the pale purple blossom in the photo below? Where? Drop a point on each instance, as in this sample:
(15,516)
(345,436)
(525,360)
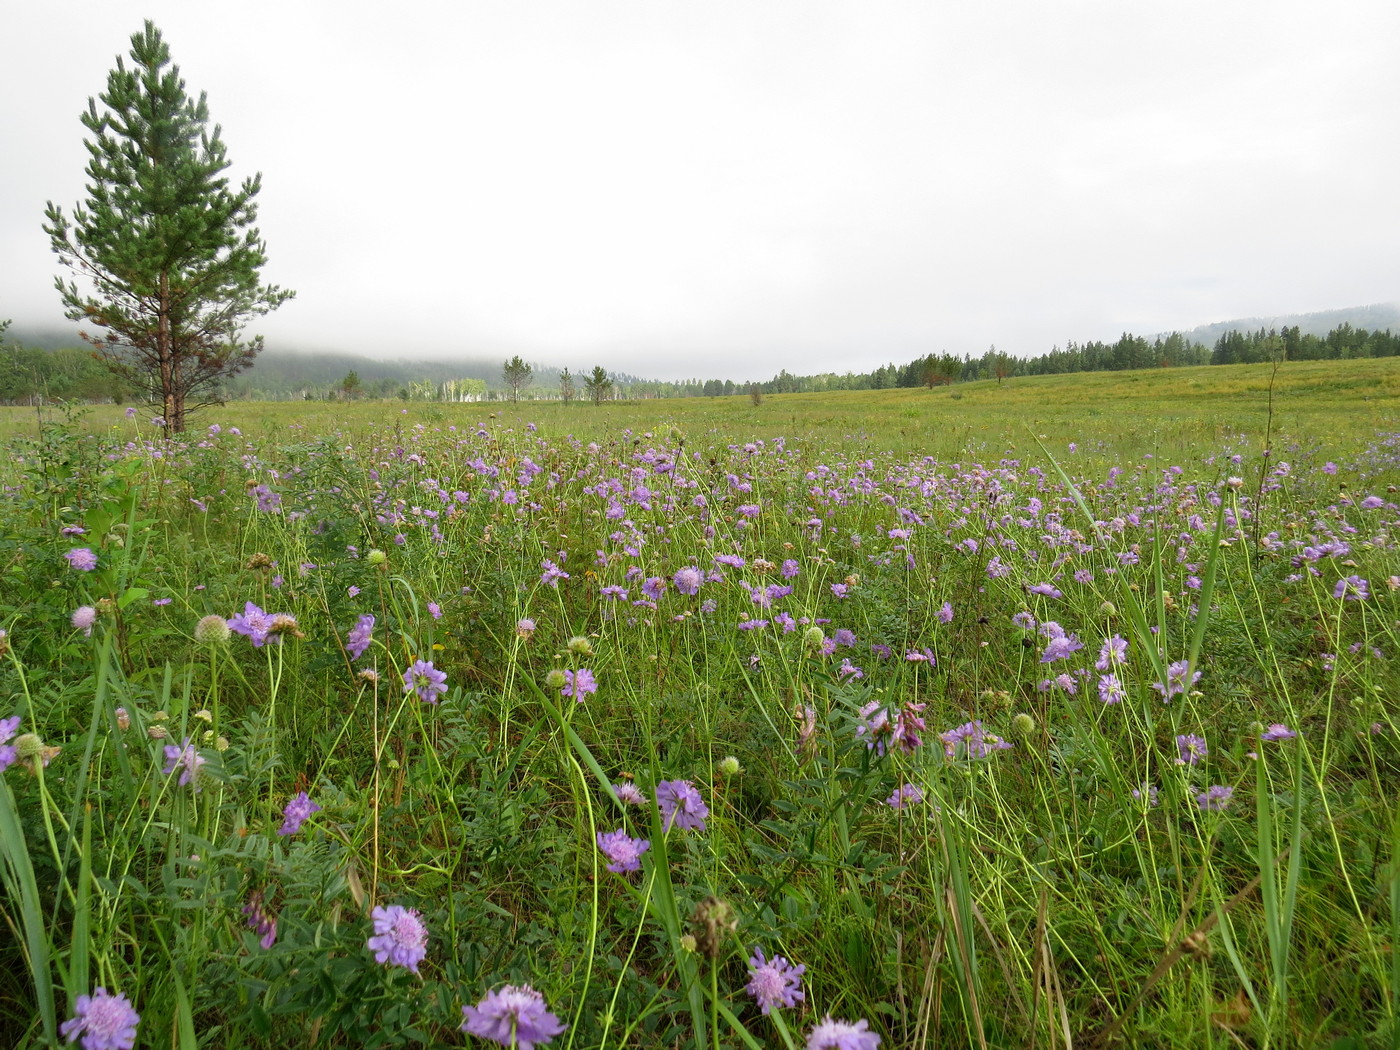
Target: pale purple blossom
(680,804)
(688,580)
(624,851)
(774,983)
(904,795)
(1277,731)
(842,1035)
(296,813)
(1190,749)
(360,636)
(1215,797)
(82,559)
(578,684)
(185,758)
(400,938)
(103,1020)
(1176,679)
(514,1016)
(425,680)
(84,616)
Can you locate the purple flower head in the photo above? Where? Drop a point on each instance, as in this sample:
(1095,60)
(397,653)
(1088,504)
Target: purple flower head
(82,559)
(1111,690)
(1277,731)
(1059,647)
(627,793)
(525,628)
(84,616)
(1113,652)
(252,623)
(1353,588)
(905,795)
(654,587)
(400,938)
(790,568)
(1024,620)
(578,684)
(688,580)
(1176,679)
(425,680)
(945,614)
(105,1021)
(624,852)
(513,1016)
(1049,590)
(841,1035)
(357,641)
(1190,749)
(185,758)
(839,589)
(261,919)
(1215,797)
(970,740)
(681,804)
(298,810)
(435,610)
(8,728)
(774,983)
(552,573)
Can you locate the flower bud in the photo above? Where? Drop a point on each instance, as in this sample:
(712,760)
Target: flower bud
(729,766)
(376,557)
(580,646)
(1023,725)
(813,637)
(211,631)
(555,679)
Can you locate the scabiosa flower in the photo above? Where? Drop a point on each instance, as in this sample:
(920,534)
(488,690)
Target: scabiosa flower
(513,1016)
(578,684)
(1024,620)
(681,804)
(1111,690)
(1049,590)
(1353,589)
(357,641)
(524,629)
(400,938)
(1060,647)
(82,559)
(972,741)
(1147,791)
(298,810)
(841,1035)
(905,795)
(425,680)
(688,580)
(1277,731)
(1113,652)
(945,613)
(1190,749)
(435,610)
(84,616)
(105,1021)
(624,852)
(8,726)
(774,983)
(552,573)
(252,623)
(186,758)
(627,793)
(1215,797)
(1176,679)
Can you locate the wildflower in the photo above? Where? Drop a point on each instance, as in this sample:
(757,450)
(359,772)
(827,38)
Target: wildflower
(1148,791)
(839,590)
(425,680)
(875,726)
(1023,725)
(1215,797)
(524,629)
(370,675)
(358,639)
(552,573)
(841,1035)
(578,684)
(7,750)
(376,557)
(579,645)
(653,587)
(84,616)
(1277,731)
(252,623)
(774,982)
(82,559)
(514,1016)
(186,758)
(261,919)
(945,614)
(298,810)
(974,740)
(1047,589)
(400,938)
(1024,620)
(1190,749)
(1176,679)
(1059,647)
(1353,589)
(688,580)
(905,795)
(123,719)
(681,804)
(435,610)
(352,590)
(729,766)
(1113,652)
(105,1021)
(1111,690)
(624,852)
(627,793)
(284,623)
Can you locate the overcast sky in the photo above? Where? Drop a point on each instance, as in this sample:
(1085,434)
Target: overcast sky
(724,188)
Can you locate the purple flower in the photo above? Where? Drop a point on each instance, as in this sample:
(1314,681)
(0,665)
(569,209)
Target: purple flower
(400,938)
(105,1021)
(945,614)
(261,919)
(357,641)
(905,795)
(1047,589)
(513,1016)
(8,726)
(774,983)
(688,580)
(82,559)
(974,740)
(1059,647)
(1176,679)
(185,758)
(552,573)
(252,623)
(1111,690)
(627,793)
(1215,797)
(1353,588)
(841,1035)
(654,587)
(425,680)
(1148,791)
(839,589)
(84,616)
(435,610)
(1024,620)
(298,810)
(1277,731)
(681,804)
(624,852)
(790,568)
(1113,652)
(524,628)
(1190,749)
(578,684)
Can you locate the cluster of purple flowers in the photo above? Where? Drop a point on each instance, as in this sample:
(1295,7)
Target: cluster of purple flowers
(296,813)
(970,740)
(359,638)
(578,684)
(513,1016)
(624,852)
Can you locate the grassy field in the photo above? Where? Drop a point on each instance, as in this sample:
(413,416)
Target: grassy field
(1056,713)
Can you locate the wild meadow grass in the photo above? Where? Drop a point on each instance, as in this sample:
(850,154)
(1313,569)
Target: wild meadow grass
(1055,714)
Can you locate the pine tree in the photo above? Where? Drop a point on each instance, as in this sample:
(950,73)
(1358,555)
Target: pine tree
(598,385)
(516,374)
(169,249)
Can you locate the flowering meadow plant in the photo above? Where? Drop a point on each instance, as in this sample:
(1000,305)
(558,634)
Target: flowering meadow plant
(587,707)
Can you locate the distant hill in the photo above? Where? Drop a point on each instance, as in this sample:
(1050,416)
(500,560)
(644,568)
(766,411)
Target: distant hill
(1376,317)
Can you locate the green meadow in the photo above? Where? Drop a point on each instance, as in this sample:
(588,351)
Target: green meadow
(1059,712)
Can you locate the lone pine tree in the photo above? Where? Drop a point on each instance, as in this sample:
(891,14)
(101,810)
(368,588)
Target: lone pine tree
(168,249)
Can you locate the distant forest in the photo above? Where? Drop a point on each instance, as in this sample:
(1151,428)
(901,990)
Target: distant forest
(30,374)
